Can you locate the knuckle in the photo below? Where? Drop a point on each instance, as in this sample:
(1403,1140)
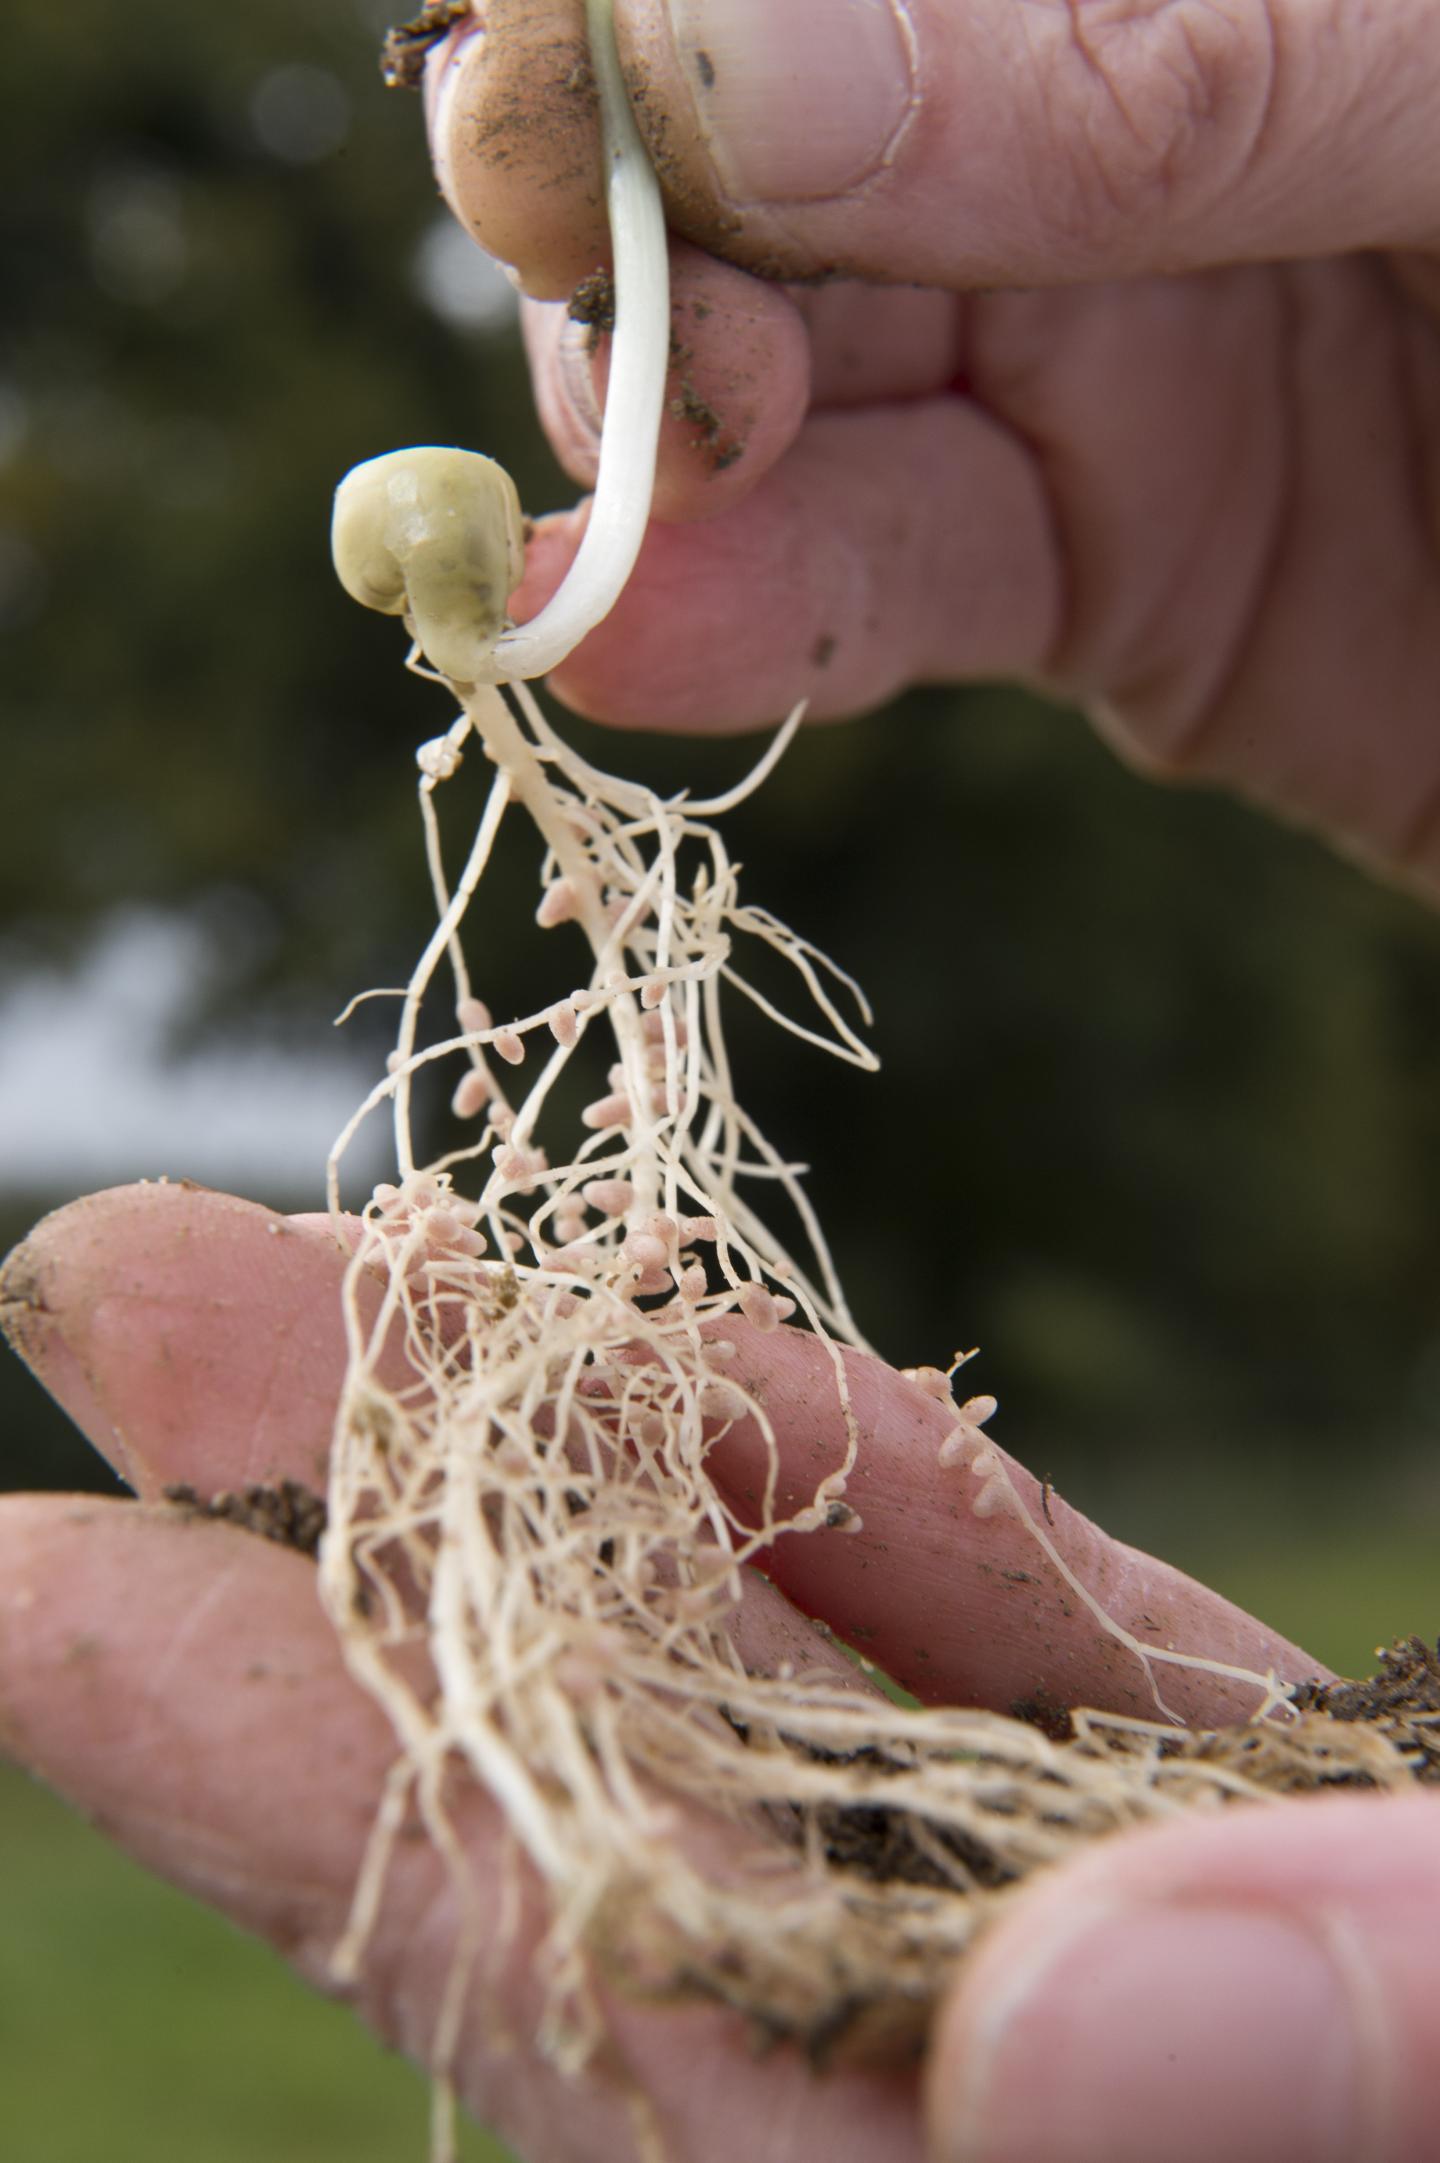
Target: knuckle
(1156,108)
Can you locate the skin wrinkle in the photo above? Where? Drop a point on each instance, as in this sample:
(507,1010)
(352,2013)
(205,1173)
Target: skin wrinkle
(1183,758)
(1057,101)
(1048,671)
(1190,757)
(1175,107)
(1060,570)
(1261,136)
(257,1459)
(1377,2073)
(172,1662)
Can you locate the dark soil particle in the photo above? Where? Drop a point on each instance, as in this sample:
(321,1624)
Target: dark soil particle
(289,1513)
(888,1846)
(593,303)
(719,450)
(1042,1711)
(690,406)
(402,56)
(882,1844)
(538,114)
(1402,1699)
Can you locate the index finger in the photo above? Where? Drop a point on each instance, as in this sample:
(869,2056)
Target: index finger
(969,1608)
(191,1336)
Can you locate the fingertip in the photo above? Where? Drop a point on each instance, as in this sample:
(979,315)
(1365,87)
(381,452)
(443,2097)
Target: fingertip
(190,1335)
(738,388)
(908,543)
(513,120)
(735,397)
(1173,1978)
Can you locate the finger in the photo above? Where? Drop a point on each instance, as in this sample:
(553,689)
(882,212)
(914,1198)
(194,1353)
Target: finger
(178,1680)
(964,142)
(961,1607)
(1263,1986)
(835,581)
(749,358)
(955,142)
(211,1728)
(191,1336)
(511,107)
(868,344)
(735,395)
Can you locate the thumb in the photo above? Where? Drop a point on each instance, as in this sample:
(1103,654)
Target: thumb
(955,142)
(1262,1985)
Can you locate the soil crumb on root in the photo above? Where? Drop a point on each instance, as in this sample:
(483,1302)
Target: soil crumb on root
(290,1514)
(1402,1699)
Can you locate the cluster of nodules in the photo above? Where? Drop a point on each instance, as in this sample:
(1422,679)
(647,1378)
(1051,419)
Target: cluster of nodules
(635,1256)
(967,1445)
(479,1091)
(428,1212)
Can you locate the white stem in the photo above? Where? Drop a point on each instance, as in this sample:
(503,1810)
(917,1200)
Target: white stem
(639,357)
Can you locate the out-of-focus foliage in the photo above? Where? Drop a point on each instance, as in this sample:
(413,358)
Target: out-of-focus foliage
(209,227)
(1159,1125)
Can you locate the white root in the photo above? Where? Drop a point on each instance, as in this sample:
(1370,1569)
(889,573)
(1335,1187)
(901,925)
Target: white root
(521,1482)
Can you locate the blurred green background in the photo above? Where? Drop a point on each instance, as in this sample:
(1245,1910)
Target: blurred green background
(1159,1121)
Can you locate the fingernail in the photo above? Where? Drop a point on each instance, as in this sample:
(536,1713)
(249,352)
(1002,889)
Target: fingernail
(575,365)
(798,100)
(1187,2032)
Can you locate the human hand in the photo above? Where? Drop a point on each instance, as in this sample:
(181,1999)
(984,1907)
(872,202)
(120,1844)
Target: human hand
(1262,1985)
(1160,430)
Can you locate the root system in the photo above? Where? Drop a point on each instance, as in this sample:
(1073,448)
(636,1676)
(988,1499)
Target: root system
(521,1489)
